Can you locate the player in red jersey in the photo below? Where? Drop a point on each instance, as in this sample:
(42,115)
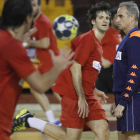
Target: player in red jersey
(44,40)
(79,105)
(16,65)
(110,42)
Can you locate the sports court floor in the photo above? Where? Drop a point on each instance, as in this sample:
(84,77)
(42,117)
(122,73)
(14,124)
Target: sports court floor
(33,134)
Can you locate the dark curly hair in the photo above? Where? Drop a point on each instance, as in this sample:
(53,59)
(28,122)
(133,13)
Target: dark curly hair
(113,11)
(15,12)
(38,1)
(94,10)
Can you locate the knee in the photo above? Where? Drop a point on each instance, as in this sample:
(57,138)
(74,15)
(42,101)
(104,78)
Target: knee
(63,135)
(103,133)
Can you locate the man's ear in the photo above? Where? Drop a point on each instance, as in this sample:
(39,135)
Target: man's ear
(27,19)
(132,17)
(93,21)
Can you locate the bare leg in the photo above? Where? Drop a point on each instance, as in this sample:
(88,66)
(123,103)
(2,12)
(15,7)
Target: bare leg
(45,104)
(42,100)
(132,135)
(74,134)
(57,96)
(100,128)
(55,132)
(120,136)
(59,134)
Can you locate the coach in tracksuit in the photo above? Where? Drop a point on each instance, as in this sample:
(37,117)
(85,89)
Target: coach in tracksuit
(127,74)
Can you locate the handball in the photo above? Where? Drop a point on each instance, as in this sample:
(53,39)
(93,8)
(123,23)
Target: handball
(65,27)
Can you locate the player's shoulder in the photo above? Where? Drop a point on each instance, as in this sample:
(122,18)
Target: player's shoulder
(44,19)
(135,34)
(134,37)
(6,39)
(86,36)
(15,44)
(133,40)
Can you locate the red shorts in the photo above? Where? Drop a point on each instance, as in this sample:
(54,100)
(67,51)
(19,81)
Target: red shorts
(71,119)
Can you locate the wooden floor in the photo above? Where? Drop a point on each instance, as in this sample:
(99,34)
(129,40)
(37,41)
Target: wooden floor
(40,136)
(33,134)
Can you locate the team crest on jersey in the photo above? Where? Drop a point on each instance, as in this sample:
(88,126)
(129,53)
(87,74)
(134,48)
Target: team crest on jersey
(96,65)
(118,55)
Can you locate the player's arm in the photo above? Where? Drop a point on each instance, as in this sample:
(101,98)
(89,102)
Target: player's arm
(43,43)
(44,33)
(41,83)
(77,82)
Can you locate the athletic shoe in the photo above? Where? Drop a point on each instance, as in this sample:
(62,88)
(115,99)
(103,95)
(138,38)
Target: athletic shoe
(58,123)
(20,121)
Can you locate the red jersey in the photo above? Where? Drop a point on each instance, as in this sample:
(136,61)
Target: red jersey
(110,42)
(44,26)
(88,51)
(15,65)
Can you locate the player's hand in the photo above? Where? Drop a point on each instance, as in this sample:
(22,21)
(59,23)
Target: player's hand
(118,111)
(29,43)
(27,35)
(62,61)
(112,107)
(100,95)
(83,109)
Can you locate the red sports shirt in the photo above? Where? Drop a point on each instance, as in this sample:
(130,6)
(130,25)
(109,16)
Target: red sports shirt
(110,42)
(14,65)
(44,26)
(88,51)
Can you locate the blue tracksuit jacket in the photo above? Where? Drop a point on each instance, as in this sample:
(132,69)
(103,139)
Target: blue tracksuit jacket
(127,67)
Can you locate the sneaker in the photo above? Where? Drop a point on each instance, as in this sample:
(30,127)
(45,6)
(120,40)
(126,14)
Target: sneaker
(20,121)
(58,123)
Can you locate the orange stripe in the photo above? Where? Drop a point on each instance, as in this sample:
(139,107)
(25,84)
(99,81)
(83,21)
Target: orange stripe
(136,33)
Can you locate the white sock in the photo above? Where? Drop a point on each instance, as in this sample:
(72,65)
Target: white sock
(50,116)
(36,123)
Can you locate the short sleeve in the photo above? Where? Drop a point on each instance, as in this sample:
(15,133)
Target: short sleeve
(44,30)
(82,50)
(15,55)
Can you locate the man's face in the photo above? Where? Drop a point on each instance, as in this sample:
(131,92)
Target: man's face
(102,21)
(114,23)
(36,7)
(123,20)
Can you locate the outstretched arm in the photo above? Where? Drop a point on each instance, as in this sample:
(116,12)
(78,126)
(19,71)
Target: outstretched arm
(41,83)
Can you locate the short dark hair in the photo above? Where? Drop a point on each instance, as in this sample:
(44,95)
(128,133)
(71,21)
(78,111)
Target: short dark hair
(114,10)
(39,2)
(94,10)
(15,12)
